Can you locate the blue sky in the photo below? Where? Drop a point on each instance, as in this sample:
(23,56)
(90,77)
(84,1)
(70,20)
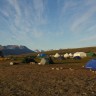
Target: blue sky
(48,24)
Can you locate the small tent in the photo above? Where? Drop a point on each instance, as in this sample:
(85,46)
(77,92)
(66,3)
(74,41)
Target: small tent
(38,55)
(46,61)
(50,60)
(90,54)
(70,54)
(57,55)
(66,55)
(91,64)
(42,55)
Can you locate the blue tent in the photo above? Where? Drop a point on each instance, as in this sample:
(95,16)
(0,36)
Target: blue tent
(42,55)
(91,64)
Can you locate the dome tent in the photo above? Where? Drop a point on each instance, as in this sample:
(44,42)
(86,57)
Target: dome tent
(90,54)
(46,61)
(66,55)
(43,61)
(70,54)
(81,54)
(42,55)
(91,64)
(56,55)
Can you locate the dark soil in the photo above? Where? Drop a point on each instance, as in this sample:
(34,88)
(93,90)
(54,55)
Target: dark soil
(47,80)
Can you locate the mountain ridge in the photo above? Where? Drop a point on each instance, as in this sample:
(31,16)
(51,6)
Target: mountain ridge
(15,49)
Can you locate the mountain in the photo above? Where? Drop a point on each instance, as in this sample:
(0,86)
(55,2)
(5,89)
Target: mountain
(14,49)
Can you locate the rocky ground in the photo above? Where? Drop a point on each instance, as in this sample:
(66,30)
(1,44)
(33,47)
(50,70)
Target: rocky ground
(47,80)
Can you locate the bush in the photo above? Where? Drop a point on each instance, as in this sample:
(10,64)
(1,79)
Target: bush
(28,60)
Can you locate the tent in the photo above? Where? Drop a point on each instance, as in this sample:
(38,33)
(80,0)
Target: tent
(38,55)
(42,55)
(91,64)
(77,58)
(90,54)
(66,55)
(80,54)
(46,61)
(56,55)
(70,54)
(50,60)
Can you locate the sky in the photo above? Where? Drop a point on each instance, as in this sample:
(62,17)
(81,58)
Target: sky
(48,24)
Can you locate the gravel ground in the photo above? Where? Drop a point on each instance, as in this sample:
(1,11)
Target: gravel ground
(47,80)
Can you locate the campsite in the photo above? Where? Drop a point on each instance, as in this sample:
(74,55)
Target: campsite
(65,77)
(47,47)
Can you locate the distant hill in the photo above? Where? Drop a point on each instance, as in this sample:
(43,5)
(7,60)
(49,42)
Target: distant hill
(72,50)
(14,50)
(63,51)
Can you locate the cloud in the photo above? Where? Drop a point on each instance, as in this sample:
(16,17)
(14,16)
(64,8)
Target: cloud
(83,19)
(27,21)
(66,12)
(76,16)
(5,13)
(67,6)
(15,5)
(39,9)
(18,14)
